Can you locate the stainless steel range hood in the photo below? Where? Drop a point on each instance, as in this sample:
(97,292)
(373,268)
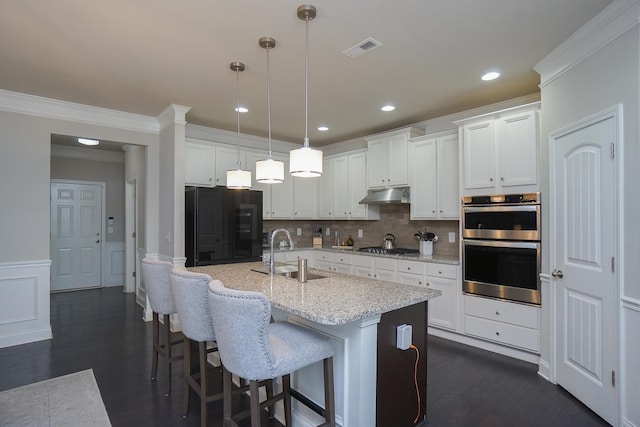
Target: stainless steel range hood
(386,196)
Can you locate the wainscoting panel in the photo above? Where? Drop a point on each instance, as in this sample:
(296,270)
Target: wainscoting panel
(24,302)
(113,270)
(630,366)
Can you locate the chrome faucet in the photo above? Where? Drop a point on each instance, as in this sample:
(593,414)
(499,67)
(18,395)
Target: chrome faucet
(272,263)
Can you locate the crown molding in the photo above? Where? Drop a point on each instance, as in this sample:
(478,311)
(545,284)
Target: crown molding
(613,21)
(16,102)
(204,133)
(173,114)
(78,153)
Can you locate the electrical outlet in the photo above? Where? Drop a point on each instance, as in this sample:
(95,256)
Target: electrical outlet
(452,237)
(299,231)
(403,336)
(327,231)
(360,233)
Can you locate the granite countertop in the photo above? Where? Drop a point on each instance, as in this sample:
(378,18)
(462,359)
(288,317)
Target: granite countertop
(336,299)
(435,258)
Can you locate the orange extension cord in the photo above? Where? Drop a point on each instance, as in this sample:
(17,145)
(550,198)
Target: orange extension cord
(415,379)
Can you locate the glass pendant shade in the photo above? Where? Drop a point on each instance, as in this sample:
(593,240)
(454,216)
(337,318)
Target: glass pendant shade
(239,179)
(270,171)
(305,162)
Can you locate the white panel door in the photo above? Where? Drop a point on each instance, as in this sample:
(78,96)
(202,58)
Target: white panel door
(583,207)
(76,223)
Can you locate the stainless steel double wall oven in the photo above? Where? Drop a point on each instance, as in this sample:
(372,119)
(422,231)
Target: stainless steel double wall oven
(501,247)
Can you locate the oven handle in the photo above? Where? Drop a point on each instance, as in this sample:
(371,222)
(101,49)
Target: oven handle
(501,244)
(509,208)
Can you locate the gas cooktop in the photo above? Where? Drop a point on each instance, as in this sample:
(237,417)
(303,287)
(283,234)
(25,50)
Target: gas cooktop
(383,251)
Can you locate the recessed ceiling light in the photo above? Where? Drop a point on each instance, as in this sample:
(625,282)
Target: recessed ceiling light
(85,141)
(241,109)
(492,75)
(388,108)
(323,128)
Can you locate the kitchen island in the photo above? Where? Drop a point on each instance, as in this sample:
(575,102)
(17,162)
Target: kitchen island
(374,381)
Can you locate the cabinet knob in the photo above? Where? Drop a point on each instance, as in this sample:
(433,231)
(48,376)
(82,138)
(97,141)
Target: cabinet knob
(419,282)
(210,179)
(440,210)
(433,211)
(501,178)
(490,179)
(497,333)
(408,268)
(497,313)
(428,284)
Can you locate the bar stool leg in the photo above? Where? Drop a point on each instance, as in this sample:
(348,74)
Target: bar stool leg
(254,390)
(286,390)
(154,347)
(202,352)
(329,399)
(167,352)
(187,372)
(226,400)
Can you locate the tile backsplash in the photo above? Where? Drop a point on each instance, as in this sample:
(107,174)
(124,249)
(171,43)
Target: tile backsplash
(394,219)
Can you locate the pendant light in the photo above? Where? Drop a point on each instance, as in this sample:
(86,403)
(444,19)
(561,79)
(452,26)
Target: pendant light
(306,162)
(269,171)
(238,179)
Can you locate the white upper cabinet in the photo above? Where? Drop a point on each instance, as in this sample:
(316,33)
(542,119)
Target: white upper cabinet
(277,199)
(388,158)
(434,179)
(207,165)
(199,165)
(500,151)
(305,191)
(343,184)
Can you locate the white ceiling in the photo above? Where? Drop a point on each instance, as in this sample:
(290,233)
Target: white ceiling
(140,56)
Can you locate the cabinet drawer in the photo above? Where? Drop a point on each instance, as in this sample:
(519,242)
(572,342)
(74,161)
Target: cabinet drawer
(504,333)
(324,256)
(343,258)
(385,264)
(363,261)
(502,311)
(442,270)
(414,267)
(411,279)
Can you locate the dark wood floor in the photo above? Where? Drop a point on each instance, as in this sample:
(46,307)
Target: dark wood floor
(102,330)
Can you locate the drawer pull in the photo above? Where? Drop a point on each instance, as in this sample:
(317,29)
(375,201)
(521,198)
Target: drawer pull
(497,313)
(497,333)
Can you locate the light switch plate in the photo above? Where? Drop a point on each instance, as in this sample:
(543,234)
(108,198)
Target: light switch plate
(327,231)
(452,237)
(360,233)
(299,231)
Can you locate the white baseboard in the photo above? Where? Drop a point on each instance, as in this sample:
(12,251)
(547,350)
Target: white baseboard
(486,345)
(24,302)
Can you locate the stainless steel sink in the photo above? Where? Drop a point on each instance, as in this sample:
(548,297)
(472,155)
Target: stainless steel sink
(289,271)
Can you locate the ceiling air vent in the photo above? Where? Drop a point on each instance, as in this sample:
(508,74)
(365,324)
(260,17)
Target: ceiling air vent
(362,48)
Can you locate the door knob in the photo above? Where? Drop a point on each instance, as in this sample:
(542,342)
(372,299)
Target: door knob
(557,273)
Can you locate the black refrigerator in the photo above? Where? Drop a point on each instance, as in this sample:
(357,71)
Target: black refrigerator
(222,225)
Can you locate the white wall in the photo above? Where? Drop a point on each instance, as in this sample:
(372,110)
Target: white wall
(26,125)
(593,71)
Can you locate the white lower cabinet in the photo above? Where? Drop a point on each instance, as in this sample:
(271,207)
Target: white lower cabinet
(411,273)
(338,262)
(503,322)
(443,311)
(375,268)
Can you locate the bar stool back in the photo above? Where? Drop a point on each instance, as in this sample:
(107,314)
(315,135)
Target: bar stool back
(191,299)
(254,349)
(156,277)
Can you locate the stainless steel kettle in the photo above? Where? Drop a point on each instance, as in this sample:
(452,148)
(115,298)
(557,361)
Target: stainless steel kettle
(389,241)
